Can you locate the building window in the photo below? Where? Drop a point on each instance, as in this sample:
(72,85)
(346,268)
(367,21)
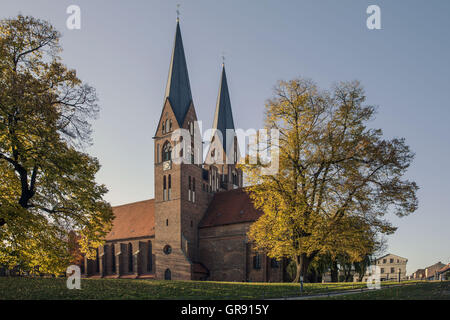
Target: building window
(157,153)
(167,152)
(164,189)
(189,189)
(130,257)
(382,270)
(192,224)
(274,263)
(391,260)
(149,256)
(169,193)
(170,125)
(257,261)
(167,125)
(167,275)
(167,222)
(392,270)
(193,189)
(167,249)
(384,261)
(113,258)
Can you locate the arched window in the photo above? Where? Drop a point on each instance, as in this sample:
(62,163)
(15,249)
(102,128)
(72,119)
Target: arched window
(190,189)
(167,275)
(193,189)
(164,189)
(113,258)
(257,261)
(149,256)
(157,153)
(170,188)
(130,257)
(167,152)
(167,125)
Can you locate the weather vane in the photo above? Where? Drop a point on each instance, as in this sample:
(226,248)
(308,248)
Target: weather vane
(178,12)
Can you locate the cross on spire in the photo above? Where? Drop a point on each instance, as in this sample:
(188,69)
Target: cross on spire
(223,58)
(178,12)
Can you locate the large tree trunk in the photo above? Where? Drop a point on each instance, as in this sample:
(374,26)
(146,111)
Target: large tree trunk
(334,271)
(302,263)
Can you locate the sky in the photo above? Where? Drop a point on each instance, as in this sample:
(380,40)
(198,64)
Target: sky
(123,49)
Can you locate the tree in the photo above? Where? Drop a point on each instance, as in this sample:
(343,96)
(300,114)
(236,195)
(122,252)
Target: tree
(48,183)
(334,172)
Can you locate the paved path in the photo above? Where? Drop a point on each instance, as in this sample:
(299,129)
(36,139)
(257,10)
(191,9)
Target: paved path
(335,293)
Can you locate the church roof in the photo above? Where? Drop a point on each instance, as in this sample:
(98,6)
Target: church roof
(178,88)
(133,220)
(230,207)
(223,117)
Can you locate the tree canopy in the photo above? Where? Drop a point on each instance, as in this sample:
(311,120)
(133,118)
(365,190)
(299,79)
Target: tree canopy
(337,177)
(47,181)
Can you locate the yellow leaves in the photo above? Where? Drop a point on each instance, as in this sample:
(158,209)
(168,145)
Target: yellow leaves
(324,183)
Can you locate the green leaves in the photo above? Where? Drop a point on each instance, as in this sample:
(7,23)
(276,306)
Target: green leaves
(48,186)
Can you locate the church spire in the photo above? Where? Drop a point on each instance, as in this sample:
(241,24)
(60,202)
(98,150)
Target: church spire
(223,117)
(178,89)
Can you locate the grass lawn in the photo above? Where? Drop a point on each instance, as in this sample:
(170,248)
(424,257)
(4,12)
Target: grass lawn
(414,291)
(47,288)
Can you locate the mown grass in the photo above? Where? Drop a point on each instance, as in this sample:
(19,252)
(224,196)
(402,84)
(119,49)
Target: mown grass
(51,288)
(413,291)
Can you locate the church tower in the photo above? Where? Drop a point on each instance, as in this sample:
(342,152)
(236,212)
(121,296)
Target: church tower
(181,198)
(223,154)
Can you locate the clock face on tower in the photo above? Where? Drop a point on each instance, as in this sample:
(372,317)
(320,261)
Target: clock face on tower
(167,165)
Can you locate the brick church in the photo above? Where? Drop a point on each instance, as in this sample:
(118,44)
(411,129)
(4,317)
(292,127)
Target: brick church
(196,226)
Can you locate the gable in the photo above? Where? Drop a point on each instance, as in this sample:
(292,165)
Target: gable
(391,256)
(166,114)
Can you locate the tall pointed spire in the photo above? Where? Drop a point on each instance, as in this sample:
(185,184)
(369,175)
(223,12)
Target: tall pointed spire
(178,88)
(223,117)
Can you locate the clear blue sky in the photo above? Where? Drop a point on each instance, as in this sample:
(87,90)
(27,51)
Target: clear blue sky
(123,50)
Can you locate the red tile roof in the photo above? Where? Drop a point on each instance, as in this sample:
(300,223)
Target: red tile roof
(229,207)
(444,269)
(133,220)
